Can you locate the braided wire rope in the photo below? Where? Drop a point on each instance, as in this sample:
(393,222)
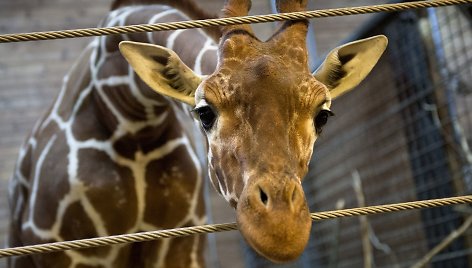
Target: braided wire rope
(179,232)
(87,32)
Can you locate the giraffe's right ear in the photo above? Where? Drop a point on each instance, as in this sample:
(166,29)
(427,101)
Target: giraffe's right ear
(347,65)
(162,70)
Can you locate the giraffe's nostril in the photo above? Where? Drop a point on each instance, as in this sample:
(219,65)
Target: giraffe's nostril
(267,214)
(263,196)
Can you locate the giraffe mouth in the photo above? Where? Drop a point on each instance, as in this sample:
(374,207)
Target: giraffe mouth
(275,220)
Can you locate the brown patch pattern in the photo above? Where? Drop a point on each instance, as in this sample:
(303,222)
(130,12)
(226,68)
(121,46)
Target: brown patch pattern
(88,121)
(170,187)
(78,225)
(53,184)
(109,187)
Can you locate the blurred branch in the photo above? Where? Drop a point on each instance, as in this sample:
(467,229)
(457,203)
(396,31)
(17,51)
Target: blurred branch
(369,238)
(444,244)
(333,258)
(382,247)
(366,245)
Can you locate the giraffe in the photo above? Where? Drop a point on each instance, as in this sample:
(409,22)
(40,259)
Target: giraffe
(261,111)
(112,156)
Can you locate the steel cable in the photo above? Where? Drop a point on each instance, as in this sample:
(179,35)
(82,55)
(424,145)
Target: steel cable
(179,232)
(62,34)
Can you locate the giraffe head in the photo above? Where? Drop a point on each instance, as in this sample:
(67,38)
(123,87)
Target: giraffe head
(262,111)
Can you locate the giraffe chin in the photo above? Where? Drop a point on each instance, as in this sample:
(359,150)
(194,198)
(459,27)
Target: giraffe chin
(278,232)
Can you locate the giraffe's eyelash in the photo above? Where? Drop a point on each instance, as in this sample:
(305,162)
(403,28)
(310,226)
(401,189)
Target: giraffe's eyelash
(199,107)
(201,103)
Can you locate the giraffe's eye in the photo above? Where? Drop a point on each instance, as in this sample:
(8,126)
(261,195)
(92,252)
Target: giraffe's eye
(321,119)
(206,116)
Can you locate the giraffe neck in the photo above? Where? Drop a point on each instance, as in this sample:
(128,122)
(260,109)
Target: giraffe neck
(119,152)
(126,104)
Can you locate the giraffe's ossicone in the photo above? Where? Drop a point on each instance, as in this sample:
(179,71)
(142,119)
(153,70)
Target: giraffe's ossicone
(261,110)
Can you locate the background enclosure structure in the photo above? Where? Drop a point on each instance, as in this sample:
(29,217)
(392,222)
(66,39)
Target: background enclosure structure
(405,134)
(403,130)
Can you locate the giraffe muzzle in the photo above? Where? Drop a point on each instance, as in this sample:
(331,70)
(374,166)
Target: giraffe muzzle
(274,218)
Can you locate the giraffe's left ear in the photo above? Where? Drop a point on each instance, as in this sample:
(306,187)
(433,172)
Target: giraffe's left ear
(162,70)
(346,66)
